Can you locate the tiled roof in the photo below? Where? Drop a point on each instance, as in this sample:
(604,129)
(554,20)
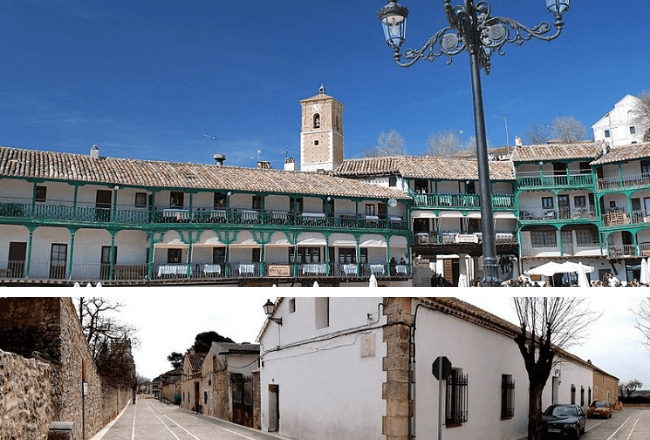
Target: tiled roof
(195,360)
(624,153)
(423,167)
(532,153)
(16,162)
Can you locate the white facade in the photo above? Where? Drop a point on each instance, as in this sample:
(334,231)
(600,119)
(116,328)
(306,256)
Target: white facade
(327,360)
(328,371)
(618,127)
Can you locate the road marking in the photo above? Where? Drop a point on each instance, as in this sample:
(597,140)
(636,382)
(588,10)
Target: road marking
(211,424)
(135,413)
(619,428)
(160,420)
(632,432)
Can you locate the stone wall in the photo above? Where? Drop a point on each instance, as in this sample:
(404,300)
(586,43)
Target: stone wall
(25,407)
(49,329)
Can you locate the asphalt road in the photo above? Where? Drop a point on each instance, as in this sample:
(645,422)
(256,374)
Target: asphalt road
(149,419)
(628,424)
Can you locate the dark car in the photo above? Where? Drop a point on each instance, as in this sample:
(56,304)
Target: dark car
(563,421)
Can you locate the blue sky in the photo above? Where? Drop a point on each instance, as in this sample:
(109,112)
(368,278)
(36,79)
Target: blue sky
(148,79)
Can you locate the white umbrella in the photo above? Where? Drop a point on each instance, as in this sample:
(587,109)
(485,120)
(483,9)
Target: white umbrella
(462,280)
(582,276)
(99,285)
(315,284)
(549,269)
(77,284)
(569,266)
(648,270)
(373,281)
(89,285)
(643,279)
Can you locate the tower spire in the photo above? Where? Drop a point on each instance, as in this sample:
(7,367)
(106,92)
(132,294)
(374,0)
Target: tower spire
(321,90)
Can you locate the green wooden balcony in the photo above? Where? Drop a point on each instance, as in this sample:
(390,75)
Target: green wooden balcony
(462,201)
(537,181)
(71,214)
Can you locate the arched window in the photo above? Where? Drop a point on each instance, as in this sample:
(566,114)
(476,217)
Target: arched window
(316,120)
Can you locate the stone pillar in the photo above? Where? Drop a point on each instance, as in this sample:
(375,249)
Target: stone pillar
(257,400)
(396,364)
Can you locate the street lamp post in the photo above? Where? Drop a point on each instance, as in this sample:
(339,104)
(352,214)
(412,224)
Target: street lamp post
(471,28)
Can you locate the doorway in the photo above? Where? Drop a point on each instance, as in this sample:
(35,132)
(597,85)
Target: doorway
(17,257)
(274,408)
(58,257)
(103,205)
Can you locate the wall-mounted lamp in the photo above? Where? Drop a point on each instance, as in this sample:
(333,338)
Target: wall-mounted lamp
(116,187)
(269,307)
(541,163)
(228,193)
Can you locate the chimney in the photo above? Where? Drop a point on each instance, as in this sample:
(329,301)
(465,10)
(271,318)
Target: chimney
(263,165)
(518,142)
(94,152)
(219,159)
(289,164)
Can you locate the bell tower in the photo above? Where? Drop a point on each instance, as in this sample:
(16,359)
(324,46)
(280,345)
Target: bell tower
(321,133)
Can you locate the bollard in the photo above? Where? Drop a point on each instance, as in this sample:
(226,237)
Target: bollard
(61,431)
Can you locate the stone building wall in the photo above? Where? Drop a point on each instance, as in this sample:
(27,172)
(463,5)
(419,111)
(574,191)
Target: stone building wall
(49,329)
(25,407)
(605,387)
(257,400)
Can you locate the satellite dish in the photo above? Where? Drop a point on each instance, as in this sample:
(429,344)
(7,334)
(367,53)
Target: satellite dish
(392,203)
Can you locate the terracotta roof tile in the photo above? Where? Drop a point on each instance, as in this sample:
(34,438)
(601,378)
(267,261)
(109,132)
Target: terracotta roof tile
(624,153)
(157,174)
(532,153)
(451,168)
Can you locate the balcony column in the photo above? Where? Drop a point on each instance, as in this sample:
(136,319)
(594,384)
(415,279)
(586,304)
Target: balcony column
(191,213)
(635,244)
(74,201)
(29,250)
(620,175)
(387,264)
(358,253)
(327,254)
(628,196)
(71,256)
(111,271)
(151,255)
(152,210)
(559,235)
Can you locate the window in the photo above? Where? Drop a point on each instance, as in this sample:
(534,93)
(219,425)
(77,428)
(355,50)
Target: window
(370,209)
(392,181)
(633,130)
(296,203)
(586,237)
(305,255)
(589,392)
(580,201)
(547,202)
(456,398)
(205,397)
(573,394)
(292,305)
(176,199)
(507,396)
(41,192)
(607,133)
(322,309)
(218,255)
(612,204)
(140,200)
(58,256)
(257,202)
(582,396)
(256,255)
(349,255)
(174,256)
(645,166)
(543,238)
(219,201)
(585,168)
(316,142)
(316,120)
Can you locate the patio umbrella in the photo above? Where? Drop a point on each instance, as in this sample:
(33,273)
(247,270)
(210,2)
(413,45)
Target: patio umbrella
(548,269)
(373,281)
(582,276)
(462,280)
(315,284)
(643,279)
(569,266)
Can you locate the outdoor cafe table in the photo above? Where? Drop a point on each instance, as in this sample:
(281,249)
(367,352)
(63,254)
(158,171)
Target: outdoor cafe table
(172,269)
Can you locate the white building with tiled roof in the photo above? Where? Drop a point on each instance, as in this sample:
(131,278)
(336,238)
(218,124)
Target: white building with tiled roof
(619,126)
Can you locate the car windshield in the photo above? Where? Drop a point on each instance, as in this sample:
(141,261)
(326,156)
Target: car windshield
(562,411)
(601,404)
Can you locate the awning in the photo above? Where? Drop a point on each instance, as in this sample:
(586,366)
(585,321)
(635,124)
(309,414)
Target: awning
(373,243)
(279,239)
(174,244)
(248,243)
(504,215)
(342,240)
(423,214)
(451,214)
(210,242)
(474,214)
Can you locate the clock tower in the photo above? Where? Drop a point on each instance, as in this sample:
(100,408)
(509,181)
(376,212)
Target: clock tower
(321,133)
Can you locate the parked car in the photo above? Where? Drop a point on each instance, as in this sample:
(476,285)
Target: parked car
(564,420)
(599,408)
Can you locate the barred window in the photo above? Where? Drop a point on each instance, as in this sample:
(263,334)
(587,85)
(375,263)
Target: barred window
(543,238)
(507,396)
(582,396)
(456,398)
(586,237)
(573,394)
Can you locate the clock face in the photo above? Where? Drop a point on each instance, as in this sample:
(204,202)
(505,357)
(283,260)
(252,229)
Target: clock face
(315,107)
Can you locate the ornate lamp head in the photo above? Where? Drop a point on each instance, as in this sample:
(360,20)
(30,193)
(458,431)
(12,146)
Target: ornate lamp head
(557,7)
(393,19)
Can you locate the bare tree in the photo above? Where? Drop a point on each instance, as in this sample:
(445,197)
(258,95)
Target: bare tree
(538,133)
(388,144)
(643,320)
(547,324)
(444,143)
(642,111)
(630,386)
(110,341)
(568,129)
